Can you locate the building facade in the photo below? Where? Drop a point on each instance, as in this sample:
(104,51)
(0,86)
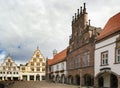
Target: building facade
(9,70)
(34,70)
(107,55)
(80,53)
(57,67)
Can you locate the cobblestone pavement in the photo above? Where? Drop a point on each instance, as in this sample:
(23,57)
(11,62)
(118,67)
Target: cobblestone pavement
(42,84)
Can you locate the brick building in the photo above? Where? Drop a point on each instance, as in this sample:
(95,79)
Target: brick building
(80,53)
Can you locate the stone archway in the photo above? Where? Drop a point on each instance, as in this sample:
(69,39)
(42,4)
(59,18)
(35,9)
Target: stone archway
(77,77)
(37,77)
(53,78)
(107,79)
(88,80)
(57,79)
(63,79)
(70,79)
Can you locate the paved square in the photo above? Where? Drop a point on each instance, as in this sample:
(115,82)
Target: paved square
(37,84)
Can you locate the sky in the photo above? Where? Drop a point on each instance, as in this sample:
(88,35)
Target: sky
(26,24)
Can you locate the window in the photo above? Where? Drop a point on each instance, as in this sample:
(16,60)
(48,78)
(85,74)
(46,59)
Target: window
(77,61)
(32,69)
(9,60)
(43,69)
(9,68)
(57,66)
(3,68)
(7,64)
(62,65)
(104,58)
(118,55)
(40,59)
(23,68)
(32,64)
(10,64)
(14,68)
(43,64)
(38,69)
(37,55)
(86,59)
(34,59)
(38,64)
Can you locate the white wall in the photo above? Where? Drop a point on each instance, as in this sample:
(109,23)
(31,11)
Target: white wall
(54,68)
(111,55)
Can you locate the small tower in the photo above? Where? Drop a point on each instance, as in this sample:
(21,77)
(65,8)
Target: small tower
(54,52)
(85,16)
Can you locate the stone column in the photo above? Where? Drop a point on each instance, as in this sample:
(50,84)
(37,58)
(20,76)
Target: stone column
(95,82)
(34,77)
(40,77)
(3,78)
(118,81)
(28,77)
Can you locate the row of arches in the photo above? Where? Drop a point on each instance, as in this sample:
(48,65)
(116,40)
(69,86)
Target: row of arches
(86,80)
(102,80)
(59,79)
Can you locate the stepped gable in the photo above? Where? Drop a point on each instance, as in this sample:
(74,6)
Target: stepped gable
(58,57)
(112,26)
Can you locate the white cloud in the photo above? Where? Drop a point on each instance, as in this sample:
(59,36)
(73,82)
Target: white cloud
(26,24)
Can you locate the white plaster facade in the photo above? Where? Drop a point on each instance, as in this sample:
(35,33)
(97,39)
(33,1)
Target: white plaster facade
(34,70)
(110,46)
(59,71)
(112,67)
(9,70)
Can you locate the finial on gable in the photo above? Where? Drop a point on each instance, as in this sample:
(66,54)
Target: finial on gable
(77,13)
(75,17)
(37,47)
(84,8)
(81,10)
(89,22)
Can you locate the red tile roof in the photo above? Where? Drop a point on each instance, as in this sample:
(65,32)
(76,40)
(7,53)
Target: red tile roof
(112,26)
(58,57)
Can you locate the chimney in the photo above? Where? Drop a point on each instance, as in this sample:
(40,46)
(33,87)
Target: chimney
(54,52)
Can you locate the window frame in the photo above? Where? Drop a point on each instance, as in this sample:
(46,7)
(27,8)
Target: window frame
(105,62)
(116,55)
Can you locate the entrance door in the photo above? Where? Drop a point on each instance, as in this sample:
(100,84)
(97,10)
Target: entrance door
(38,77)
(24,77)
(31,77)
(114,81)
(100,82)
(77,79)
(9,78)
(15,78)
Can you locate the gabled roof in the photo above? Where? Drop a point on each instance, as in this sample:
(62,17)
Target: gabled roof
(112,26)
(58,57)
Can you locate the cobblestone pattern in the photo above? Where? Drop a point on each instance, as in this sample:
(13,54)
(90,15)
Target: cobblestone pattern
(42,84)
